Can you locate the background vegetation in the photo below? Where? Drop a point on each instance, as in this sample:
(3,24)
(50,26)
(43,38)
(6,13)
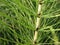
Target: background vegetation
(17,22)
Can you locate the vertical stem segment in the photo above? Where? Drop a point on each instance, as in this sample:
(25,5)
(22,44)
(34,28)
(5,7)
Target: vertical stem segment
(37,23)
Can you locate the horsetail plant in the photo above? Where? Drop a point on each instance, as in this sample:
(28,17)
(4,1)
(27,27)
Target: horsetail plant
(18,26)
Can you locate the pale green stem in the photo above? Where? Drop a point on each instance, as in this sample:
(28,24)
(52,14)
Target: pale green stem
(37,23)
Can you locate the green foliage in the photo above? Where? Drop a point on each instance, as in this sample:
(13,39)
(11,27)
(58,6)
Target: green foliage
(17,22)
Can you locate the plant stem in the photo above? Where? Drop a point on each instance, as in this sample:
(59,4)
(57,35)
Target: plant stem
(37,22)
(54,36)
